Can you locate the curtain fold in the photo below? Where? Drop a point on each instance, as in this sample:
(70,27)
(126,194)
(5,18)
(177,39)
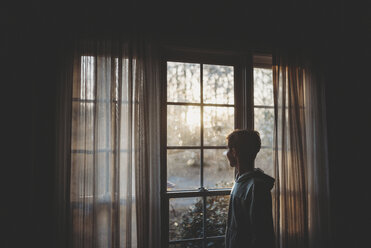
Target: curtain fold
(300,159)
(63,152)
(112,101)
(147,167)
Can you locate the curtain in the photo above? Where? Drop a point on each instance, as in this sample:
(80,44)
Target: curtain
(300,154)
(111,180)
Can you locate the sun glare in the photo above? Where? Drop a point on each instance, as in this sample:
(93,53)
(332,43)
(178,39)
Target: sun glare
(193,117)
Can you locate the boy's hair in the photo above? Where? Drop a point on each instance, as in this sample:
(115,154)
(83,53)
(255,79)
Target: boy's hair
(247,143)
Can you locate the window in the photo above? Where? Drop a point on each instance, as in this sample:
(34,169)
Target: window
(203,101)
(205,96)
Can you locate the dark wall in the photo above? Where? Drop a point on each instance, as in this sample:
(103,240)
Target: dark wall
(338,33)
(349,122)
(28,100)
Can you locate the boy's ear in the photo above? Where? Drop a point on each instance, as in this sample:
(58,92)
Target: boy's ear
(234,152)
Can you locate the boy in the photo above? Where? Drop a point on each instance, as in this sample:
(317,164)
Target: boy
(250,222)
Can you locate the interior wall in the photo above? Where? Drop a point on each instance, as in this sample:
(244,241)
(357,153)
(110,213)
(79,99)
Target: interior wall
(349,121)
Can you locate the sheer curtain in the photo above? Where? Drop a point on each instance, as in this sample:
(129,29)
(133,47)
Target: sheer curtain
(113,178)
(301,167)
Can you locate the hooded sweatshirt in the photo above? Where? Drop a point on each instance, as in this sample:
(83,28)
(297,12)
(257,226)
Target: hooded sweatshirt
(250,222)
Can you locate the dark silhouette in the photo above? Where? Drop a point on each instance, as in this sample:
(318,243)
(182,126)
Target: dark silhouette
(250,222)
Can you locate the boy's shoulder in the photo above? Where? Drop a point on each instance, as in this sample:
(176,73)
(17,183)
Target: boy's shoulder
(257,178)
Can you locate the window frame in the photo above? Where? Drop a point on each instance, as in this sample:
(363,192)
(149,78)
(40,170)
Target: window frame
(243,104)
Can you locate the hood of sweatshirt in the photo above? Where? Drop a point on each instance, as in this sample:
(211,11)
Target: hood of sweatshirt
(257,174)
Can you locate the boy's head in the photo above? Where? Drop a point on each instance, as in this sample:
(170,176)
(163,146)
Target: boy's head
(243,145)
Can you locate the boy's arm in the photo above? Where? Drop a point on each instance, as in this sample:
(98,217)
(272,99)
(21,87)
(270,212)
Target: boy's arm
(260,213)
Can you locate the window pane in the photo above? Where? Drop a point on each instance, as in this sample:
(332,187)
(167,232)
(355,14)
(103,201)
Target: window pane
(218,84)
(183,82)
(217,172)
(264,124)
(264,160)
(190,244)
(183,125)
(216,215)
(263,87)
(185,218)
(218,123)
(82,171)
(183,169)
(82,126)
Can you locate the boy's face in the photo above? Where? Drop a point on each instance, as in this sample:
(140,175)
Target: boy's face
(231,155)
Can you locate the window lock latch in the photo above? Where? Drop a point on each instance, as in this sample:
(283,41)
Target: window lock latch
(202,189)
